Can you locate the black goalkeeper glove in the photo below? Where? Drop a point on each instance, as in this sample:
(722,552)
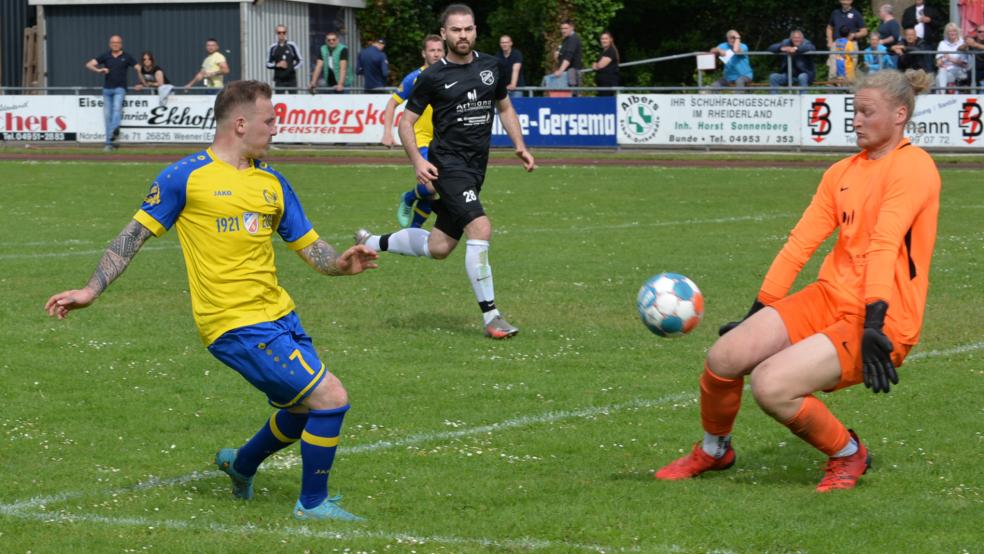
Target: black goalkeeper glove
(732,324)
(876,350)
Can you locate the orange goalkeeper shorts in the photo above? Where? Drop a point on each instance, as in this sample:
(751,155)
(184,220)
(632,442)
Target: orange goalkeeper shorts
(813,310)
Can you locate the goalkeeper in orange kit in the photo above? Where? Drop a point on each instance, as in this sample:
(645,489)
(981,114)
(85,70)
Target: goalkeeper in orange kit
(862,315)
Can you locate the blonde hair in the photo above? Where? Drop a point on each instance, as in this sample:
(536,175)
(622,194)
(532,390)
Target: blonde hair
(900,88)
(949,26)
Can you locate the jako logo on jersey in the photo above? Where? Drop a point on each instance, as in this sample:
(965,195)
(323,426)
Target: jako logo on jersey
(222,193)
(819,120)
(270,197)
(473,95)
(487,77)
(154,195)
(970,122)
(251,222)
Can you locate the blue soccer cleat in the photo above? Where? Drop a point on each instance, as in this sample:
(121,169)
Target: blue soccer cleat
(242,486)
(329,509)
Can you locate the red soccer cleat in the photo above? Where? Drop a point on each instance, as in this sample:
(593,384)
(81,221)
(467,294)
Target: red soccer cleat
(695,463)
(843,473)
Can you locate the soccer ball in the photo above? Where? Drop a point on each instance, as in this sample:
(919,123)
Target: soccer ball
(670,305)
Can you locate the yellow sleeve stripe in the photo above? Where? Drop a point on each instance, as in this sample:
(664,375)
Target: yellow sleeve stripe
(327,442)
(277,432)
(149,222)
(305,241)
(397,99)
(316,379)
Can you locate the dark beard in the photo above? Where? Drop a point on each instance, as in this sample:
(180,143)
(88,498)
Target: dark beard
(454,48)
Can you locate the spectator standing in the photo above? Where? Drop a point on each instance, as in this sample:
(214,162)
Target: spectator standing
(606,68)
(734,55)
(334,63)
(113,65)
(889,29)
(952,65)
(373,65)
(845,16)
(926,20)
(845,56)
(906,51)
(214,68)
(569,55)
(804,70)
(876,55)
(284,57)
(975,43)
(511,66)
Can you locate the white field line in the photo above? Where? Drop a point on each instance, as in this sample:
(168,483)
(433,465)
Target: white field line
(525,543)
(32,255)
(419,438)
(20,509)
(346,237)
(945,352)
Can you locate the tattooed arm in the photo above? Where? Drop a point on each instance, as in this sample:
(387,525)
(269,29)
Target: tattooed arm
(113,263)
(326,260)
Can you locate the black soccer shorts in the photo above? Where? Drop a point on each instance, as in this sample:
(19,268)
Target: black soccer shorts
(458,203)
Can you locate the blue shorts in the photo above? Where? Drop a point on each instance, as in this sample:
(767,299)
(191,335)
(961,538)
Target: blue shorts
(277,357)
(423,151)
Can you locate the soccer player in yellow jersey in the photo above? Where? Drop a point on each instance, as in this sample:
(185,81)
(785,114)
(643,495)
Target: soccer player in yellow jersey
(407,213)
(857,322)
(226,205)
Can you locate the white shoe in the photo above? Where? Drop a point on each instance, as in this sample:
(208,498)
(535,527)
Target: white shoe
(361,236)
(499,328)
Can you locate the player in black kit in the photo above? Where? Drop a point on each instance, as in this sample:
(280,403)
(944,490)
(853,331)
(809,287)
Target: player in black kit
(464,89)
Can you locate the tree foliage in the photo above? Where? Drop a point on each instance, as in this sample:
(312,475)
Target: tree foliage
(404,24)
(534,26)
(642,29)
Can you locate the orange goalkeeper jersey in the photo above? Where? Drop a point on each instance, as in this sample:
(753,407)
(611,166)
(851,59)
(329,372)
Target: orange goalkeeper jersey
(886,212)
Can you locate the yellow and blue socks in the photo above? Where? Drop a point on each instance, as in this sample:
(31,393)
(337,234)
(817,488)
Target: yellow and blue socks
(282,430)
(421,195)
(319,441)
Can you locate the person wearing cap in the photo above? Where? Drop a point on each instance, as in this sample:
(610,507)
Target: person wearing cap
(373,65)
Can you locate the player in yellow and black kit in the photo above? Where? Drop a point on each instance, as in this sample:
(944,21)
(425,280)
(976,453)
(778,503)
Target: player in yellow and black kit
(226,206)
(415,204)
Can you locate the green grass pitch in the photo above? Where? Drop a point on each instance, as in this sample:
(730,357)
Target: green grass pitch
(456,443)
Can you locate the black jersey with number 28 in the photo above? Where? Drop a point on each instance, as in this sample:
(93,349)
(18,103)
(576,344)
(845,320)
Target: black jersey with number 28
(463,97)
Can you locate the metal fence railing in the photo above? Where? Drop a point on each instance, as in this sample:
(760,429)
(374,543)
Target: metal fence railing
(973,84)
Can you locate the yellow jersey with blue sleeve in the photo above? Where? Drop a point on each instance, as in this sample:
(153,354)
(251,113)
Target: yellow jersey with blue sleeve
(225,219)
(423,129)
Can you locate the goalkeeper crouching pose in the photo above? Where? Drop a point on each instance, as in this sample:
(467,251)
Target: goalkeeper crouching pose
(861,317)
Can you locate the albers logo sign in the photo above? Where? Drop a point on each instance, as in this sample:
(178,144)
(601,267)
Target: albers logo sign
(639,122)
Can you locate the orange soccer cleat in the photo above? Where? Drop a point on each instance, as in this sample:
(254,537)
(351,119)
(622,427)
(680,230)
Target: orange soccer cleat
(843,473)
(695,463)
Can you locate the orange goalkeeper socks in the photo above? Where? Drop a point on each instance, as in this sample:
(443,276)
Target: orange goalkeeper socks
(720,399)
(816,425)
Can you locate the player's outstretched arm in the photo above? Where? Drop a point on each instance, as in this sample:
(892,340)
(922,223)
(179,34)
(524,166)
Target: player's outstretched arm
(510,122)
(113,263)
(324,259)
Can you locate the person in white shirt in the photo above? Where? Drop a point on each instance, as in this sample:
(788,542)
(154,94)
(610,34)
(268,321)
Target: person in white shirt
(952,67)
